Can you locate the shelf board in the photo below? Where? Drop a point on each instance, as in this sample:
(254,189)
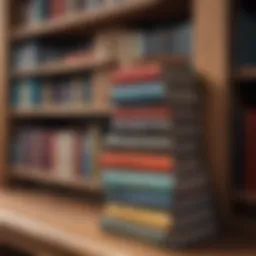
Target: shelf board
(58,68)
(246,73)
(90,19)
(36,217)
(62,112)
(41,176)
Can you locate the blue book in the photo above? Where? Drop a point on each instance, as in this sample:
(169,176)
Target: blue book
(36,91)
(41,9)
(15,95)
(87,155)
(143,198)
(154,91)
(147,234)
(159,182)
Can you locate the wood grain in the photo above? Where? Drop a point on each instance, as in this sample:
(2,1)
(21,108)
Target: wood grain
(42,176)
(212,60)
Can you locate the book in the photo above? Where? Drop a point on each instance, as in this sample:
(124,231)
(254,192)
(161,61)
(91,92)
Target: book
(144,197)
(148,218)
(145,73)
(139,94)
(145,113)
(138,160)
(142,143)
(117,179)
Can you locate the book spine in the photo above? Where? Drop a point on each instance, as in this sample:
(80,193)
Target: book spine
(141,198)
(138,160)
(116,179)
(148,218)
(137,74)
(142,113)
(145,143)
(140,92)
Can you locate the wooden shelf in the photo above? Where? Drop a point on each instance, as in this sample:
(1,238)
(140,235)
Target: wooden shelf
(61,112)
(57,68)
(87,20)
(246,73)
(70,228)
(42,176)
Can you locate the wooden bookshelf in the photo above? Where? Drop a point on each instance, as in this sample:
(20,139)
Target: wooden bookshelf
(68,68)
(44,177)
(246,74)
(87,20)
(53,112)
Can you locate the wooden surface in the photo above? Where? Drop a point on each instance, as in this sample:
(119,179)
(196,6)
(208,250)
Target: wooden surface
(4,95)
(212,60)
(58,68)
(44,177)
(53,112)
(72,228)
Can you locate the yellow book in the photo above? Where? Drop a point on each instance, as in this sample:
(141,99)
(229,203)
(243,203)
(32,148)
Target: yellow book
(143,217)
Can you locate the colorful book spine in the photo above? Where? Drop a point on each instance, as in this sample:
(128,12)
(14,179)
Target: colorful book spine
(138,160)
(146,73)
(148,218)
(143,143)
(140,198)
(116,179)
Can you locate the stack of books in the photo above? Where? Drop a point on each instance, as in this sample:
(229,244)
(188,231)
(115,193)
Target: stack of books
(65,153)
(153,166)
(171,39)
(73,92)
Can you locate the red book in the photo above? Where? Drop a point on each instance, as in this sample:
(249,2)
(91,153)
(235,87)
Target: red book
(142,113)
(137,73)
(138,161)
(250,151)
(57,8)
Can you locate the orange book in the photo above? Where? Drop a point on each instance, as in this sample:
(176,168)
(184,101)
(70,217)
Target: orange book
(143,112)
(137,73)
(138,161)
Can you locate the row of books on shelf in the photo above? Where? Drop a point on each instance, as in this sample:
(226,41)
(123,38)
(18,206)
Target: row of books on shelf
(34,53)
(36,11)
(65,154)
(123,45)
(67,92)
(154,176)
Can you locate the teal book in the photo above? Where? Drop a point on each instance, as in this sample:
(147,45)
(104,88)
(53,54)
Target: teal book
(147,234)
(141,92)
(15,95)
(36,92)
(41,9)
(161,182)
(146,198)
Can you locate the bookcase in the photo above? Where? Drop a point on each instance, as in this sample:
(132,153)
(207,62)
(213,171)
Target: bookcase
(212,55)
